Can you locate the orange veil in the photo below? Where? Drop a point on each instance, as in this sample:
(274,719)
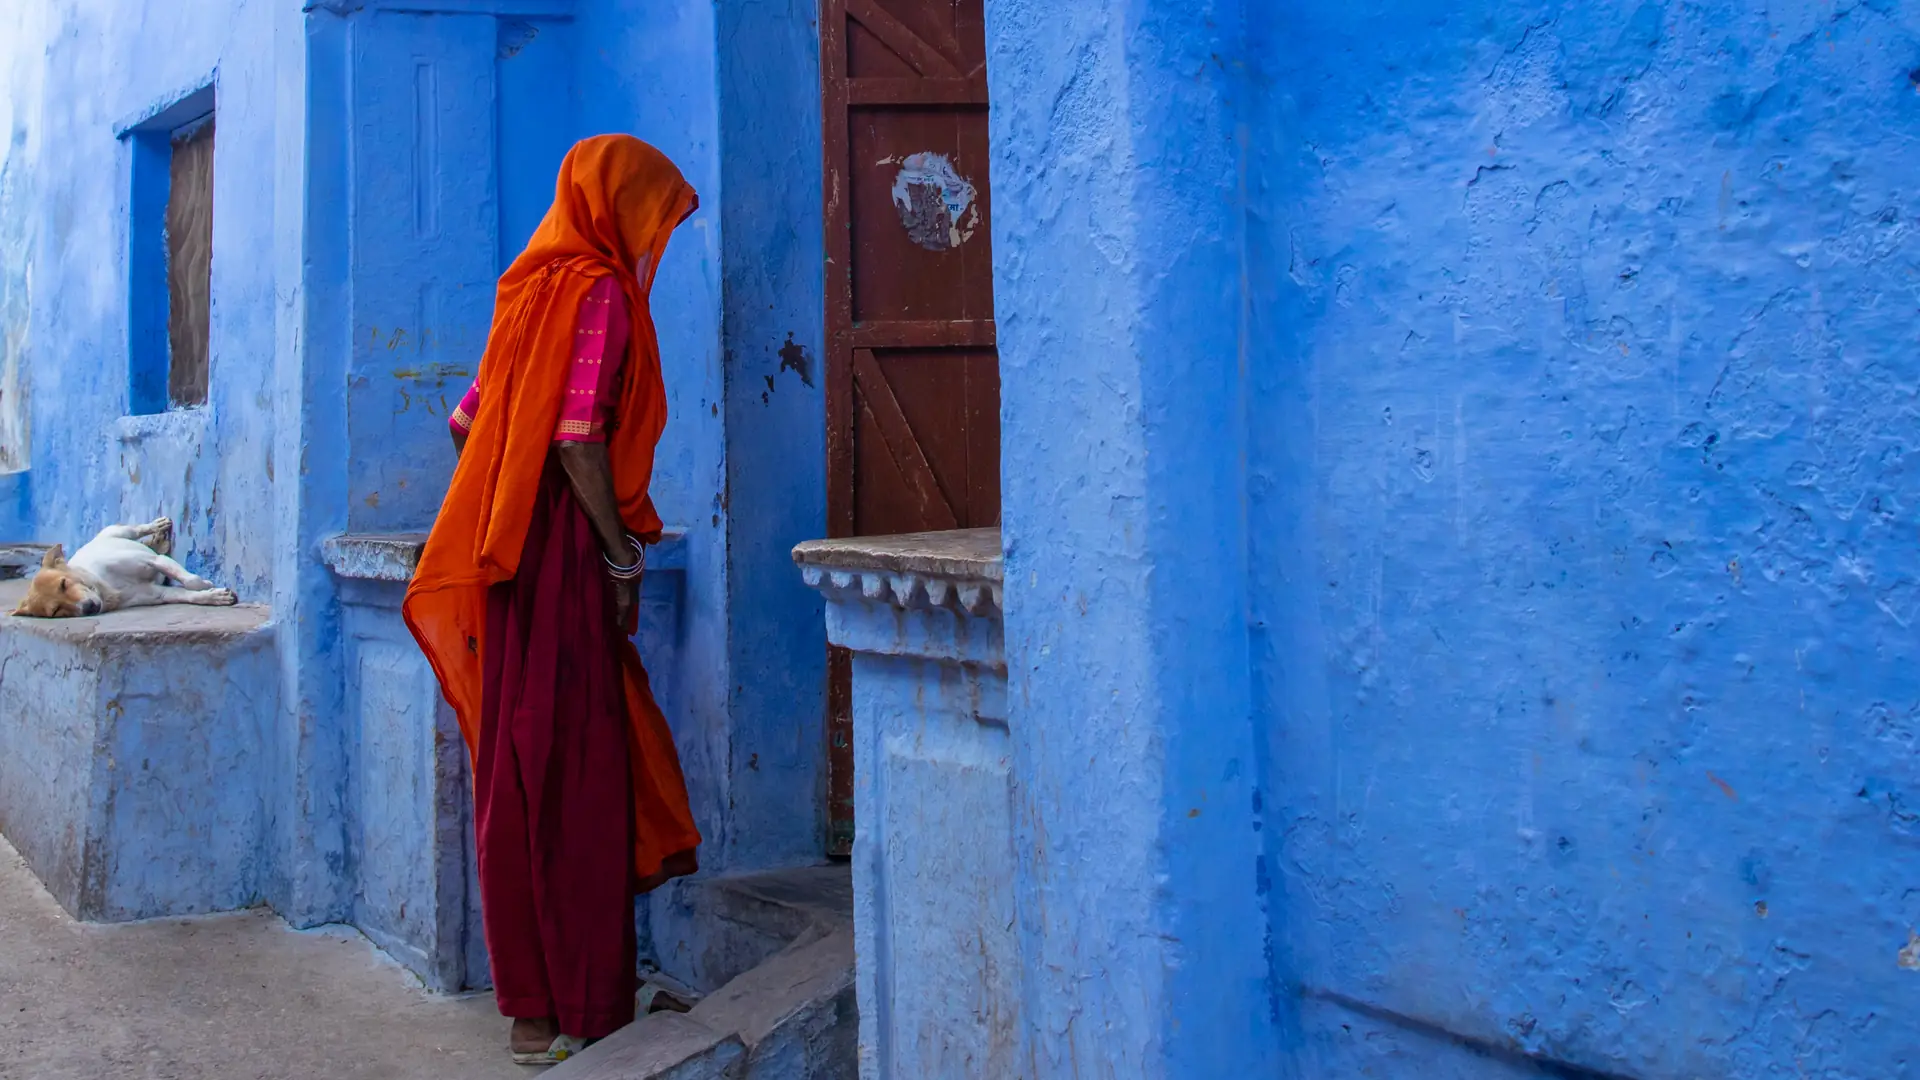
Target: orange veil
(617,202)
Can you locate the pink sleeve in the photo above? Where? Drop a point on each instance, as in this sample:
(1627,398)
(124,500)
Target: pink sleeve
(580,419)
(462,418)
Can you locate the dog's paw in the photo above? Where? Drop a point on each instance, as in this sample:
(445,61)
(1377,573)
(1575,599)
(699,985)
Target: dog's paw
(221,597)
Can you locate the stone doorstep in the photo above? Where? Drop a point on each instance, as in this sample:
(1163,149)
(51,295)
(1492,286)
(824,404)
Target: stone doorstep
(710,931)
(791,1018)
(784,941)
(660,1046)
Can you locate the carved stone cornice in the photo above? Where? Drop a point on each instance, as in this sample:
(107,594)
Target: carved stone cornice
(957,571)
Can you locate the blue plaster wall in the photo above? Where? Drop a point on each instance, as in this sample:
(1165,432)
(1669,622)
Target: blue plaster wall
(774,494)
(1118,276)
(1581,492)
(23,61)
(68,182)
(79,72)
(1535,384)
(355,248)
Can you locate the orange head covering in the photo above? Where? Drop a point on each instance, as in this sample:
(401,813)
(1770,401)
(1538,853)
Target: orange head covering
(617,202)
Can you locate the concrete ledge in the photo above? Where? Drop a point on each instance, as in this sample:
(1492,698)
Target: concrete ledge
(959,571)
(393,556)
(172,624)
(132,754)
(20,560)
(960,554)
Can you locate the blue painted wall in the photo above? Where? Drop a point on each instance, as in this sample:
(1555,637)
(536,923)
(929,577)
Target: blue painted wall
(377,164)
(1118,282)
(65,217)
(78,74)
(1581,501)
(1534,381)
(1522,397)
(773,320)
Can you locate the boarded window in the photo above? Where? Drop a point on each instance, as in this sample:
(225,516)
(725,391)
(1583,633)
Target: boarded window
(189,263)
(15,302)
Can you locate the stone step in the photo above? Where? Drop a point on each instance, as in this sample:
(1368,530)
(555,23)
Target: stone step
(790,1018)
(662,1046)
(708,932)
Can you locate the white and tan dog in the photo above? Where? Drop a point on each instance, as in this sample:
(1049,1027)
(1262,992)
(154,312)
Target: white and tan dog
(126,566)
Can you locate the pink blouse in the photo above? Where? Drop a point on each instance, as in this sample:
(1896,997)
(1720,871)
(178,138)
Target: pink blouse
(599,348)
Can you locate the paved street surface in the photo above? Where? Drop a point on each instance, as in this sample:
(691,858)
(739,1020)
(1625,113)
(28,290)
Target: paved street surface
(228,997)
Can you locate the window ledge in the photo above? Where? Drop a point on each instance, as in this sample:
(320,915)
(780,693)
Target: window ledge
(144,427)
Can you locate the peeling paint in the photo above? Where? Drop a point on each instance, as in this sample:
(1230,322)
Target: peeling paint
(935,203)
(794,358)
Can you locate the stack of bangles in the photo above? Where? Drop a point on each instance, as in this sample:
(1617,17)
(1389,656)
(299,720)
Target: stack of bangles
(628,573)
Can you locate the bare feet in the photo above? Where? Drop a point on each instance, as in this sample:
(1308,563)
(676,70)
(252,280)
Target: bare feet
(533,1036)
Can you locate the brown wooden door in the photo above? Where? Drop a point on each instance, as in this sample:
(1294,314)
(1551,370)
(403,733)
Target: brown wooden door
(913,381)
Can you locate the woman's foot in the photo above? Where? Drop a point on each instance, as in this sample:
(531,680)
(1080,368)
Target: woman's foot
(532,1036)
(540,1042)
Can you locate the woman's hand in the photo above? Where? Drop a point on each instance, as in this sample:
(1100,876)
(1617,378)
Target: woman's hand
(591,474)
(626,598)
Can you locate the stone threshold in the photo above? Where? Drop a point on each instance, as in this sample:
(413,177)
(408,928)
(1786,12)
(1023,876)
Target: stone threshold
(789,1017)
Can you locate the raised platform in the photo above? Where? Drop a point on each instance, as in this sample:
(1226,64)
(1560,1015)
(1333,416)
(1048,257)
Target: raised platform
(133,750)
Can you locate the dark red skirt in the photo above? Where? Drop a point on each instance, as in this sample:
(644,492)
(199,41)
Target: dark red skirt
(552,784)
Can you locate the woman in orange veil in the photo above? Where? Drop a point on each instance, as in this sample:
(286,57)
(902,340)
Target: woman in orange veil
(526,594)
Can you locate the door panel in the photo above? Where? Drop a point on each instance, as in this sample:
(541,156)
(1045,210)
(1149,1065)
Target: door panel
(913,380)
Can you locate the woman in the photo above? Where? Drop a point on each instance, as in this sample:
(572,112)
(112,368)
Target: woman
(525,602)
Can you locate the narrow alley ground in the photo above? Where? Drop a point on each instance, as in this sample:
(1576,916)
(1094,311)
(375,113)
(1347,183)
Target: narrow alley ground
(230,997)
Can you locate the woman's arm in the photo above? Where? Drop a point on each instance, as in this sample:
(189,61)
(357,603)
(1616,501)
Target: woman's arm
(460,422)
(590,473)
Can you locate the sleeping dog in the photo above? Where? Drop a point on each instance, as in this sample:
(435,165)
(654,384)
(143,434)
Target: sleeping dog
(126,566)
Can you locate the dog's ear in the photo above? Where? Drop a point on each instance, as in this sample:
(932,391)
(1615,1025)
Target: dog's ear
(54,559)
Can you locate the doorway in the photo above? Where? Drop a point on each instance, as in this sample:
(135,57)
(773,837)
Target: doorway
(912,375)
